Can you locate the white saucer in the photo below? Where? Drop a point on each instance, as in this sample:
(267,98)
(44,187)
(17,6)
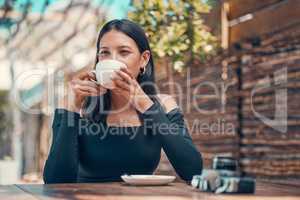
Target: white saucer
(148,179)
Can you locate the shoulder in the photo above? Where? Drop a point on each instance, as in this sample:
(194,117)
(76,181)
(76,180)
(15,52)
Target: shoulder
(167,101)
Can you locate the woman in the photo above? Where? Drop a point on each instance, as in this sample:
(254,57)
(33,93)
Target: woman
(151,121)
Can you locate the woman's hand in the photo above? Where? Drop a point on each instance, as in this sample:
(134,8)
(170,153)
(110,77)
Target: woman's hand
(130,89)
(82,86)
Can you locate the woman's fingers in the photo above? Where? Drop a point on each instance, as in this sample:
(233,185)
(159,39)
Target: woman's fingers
(84,89)
(87,88)
(86,76)
(125,70)
(92,75)
(80,92)
(124,76)
(85,83)
(124,80)
(121,84)
(82,75)
(85,92)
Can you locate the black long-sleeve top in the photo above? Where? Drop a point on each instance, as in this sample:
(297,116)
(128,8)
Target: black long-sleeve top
(85,151)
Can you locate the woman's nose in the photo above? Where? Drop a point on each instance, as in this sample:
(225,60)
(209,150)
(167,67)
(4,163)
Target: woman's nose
(114,56)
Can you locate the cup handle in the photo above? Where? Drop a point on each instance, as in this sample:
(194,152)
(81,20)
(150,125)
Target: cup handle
(94,72)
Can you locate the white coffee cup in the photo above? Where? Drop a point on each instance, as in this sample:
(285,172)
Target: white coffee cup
(105,70)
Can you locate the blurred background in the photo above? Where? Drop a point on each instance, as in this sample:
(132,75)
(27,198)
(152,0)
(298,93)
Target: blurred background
(241,58)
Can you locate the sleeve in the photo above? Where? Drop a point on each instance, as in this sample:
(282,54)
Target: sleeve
(176,140)
(62,163)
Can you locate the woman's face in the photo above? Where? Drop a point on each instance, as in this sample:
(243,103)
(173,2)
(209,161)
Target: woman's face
(118,46)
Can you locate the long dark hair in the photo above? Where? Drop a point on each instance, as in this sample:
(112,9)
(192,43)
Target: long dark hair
(95,108)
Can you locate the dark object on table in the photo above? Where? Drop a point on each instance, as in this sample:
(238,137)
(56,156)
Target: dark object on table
(227,163)
(226,166)
(223,178)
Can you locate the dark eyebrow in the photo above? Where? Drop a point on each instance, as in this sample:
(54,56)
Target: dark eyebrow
(124,46)
(103,47)
(120,47)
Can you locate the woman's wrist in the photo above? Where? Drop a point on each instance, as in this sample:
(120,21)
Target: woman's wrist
(143,103)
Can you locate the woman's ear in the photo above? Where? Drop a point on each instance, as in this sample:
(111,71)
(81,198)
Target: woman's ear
(145,58)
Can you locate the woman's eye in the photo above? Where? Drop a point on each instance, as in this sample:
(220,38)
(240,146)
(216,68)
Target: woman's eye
(104,52)
(124,52)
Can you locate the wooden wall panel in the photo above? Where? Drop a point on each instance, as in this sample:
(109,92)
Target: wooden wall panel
(241,7)
(214,133)
(275,17)
(265,150)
